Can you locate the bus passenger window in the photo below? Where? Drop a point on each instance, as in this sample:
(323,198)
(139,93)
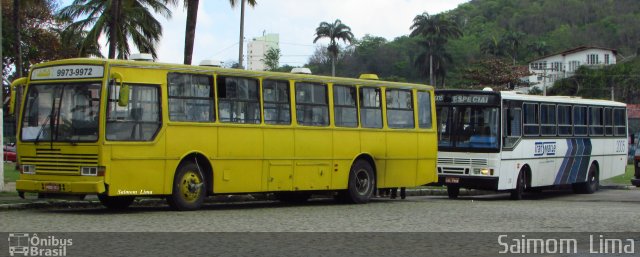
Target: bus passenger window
(531,119)
(580,120)
(344,102)
(399,108)
(312,105)
(608,122)
(190,97)
(512,123)
(138,121)
(424,109)
(620,121)
(276,102)
(238,100)
(548,119)
(565,124)
(595,121)
(370,108)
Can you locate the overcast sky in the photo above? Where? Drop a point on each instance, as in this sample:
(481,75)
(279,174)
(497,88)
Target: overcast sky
(217,31)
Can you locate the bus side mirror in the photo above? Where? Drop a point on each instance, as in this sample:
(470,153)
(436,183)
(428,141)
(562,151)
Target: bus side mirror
(13,88)
(123,95)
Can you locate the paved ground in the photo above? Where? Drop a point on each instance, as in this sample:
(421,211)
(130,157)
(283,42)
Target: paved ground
(607,210)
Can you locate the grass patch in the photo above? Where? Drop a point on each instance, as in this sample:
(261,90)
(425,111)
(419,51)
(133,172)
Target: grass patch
(10,172)
(624,179)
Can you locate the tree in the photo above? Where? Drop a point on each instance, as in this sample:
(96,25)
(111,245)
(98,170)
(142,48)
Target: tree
(272,59)
(494,72)
(436,29)
(334,32)
(16,32)
(190,29)
(119,21)
(539,47)
(433,59)
(511,42)
(491,46)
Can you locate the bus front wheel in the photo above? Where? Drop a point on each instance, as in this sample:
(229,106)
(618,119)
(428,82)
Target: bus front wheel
(115,202)
(453,191)
(516,193)
(592,185)
(361,182)
(189,188)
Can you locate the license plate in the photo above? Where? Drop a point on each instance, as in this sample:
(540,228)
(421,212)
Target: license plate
(52,187)
(452,180)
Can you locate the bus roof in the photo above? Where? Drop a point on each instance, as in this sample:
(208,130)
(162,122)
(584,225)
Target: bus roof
(512,95)
(228,71)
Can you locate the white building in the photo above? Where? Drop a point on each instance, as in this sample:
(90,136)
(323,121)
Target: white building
(256,49)
(547,69)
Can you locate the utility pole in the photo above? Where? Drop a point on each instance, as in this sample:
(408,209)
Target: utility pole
(241,33)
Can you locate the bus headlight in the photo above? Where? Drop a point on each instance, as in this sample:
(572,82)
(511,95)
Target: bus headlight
(484,171)
(89,171)
(28,169)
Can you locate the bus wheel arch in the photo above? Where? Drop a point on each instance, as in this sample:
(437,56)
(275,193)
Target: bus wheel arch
(190,183)
(362,180)
(523,181)
(593,180)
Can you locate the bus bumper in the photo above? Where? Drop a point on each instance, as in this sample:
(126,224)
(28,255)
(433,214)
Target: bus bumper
(60,187)
(471,182)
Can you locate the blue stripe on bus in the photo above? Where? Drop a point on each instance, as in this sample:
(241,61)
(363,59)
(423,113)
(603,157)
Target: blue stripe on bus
(584,163)
(565,163)
(575,168)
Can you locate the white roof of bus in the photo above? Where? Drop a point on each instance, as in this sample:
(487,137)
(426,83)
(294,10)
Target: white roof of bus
(511,95)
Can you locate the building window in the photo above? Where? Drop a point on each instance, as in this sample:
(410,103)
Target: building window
(606,59)
(592,59)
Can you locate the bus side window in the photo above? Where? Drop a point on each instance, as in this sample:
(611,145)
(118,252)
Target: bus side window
(277,109)
(190,97)
(312,104)
(345,108)
(531,119)
(370,107)
(620,121)
(399,108)
(424,110)
(238,100)
(138,121)
(580,120)
(512,124)
(565,123)
(608,122)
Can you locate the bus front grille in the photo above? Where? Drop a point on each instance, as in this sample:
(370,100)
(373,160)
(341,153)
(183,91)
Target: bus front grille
(462,161)
(55,162)
(452,170)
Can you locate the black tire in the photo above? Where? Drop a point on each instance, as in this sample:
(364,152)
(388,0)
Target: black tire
(403,193)
(362,182)
(189,188)
(116,202)
(592,185)
(521,184)
(453,192)
(292,197)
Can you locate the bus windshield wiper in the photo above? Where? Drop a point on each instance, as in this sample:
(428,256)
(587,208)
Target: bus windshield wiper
(42,128)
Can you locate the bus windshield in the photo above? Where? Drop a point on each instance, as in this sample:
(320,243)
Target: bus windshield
(61,112)
(468,128)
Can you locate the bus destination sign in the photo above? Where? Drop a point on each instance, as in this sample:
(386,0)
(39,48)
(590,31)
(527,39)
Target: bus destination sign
(479,99)
(68,72)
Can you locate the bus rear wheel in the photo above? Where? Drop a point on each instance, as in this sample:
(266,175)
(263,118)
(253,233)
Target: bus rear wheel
(189,188)
(361,182)
(116,202)
(592,185)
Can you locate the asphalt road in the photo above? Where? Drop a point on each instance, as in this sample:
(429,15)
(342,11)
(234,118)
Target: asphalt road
(556,211)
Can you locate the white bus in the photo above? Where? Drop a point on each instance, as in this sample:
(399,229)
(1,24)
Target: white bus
(504,141)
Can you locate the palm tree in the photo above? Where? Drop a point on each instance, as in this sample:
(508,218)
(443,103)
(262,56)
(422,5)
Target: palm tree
(190,30)
(334,31)
(491,46)
(433,59)
(16,30)
(539,47)
(119,20)
(252,3)
(511,42)
(437,29)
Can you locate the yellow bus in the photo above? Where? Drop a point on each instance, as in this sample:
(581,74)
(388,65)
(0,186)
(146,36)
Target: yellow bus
(122,129)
